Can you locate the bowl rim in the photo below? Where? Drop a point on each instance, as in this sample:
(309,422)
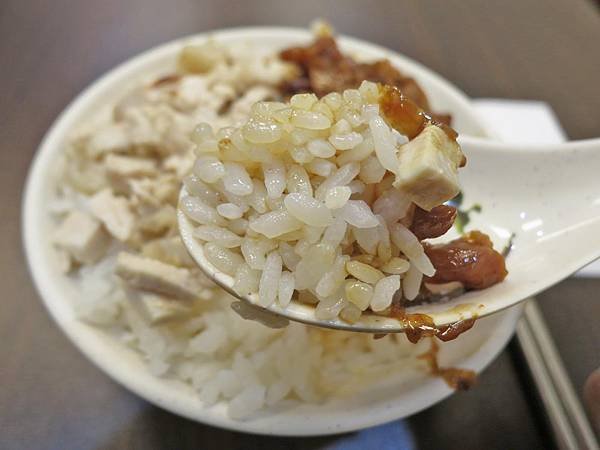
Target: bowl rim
(97,348)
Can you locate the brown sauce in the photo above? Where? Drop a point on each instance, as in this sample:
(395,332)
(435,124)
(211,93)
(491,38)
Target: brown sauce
(458,379)
(406,116)
(419,326)
(402,113)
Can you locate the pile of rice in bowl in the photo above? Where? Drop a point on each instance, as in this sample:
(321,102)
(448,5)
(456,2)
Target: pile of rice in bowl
(283,196)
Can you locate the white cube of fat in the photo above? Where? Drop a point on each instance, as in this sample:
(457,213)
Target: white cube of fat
(428,168)
(82,237)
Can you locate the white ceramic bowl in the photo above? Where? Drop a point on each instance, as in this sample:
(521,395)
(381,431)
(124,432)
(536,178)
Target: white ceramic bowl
(475,349)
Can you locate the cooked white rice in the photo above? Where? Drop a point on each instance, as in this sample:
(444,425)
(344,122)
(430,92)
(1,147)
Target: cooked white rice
(120,177)
(318,183)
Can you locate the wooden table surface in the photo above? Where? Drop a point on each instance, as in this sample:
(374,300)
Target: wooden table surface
(51,397)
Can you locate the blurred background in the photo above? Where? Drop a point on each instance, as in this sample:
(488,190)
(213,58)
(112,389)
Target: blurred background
(52,397)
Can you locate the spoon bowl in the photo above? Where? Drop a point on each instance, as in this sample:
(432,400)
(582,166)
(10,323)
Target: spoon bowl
(542,201)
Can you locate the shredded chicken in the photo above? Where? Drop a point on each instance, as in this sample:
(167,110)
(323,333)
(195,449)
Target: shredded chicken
(82,238)
(155,276)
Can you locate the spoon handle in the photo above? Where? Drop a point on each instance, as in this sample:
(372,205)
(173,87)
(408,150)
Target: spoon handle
(549,196)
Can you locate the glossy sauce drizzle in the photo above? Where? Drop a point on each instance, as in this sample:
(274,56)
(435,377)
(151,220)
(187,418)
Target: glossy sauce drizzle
(458,379)
(406,116)
(419,326)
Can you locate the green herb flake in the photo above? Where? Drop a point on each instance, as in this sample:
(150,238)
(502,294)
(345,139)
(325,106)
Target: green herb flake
(463,216)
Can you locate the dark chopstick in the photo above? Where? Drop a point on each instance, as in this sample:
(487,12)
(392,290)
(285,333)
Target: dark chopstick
(568,421)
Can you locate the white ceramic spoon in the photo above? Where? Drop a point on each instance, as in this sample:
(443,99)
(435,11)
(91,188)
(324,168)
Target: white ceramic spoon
(546,197)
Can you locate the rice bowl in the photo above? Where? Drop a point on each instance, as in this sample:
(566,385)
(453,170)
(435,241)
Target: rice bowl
(150,387)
